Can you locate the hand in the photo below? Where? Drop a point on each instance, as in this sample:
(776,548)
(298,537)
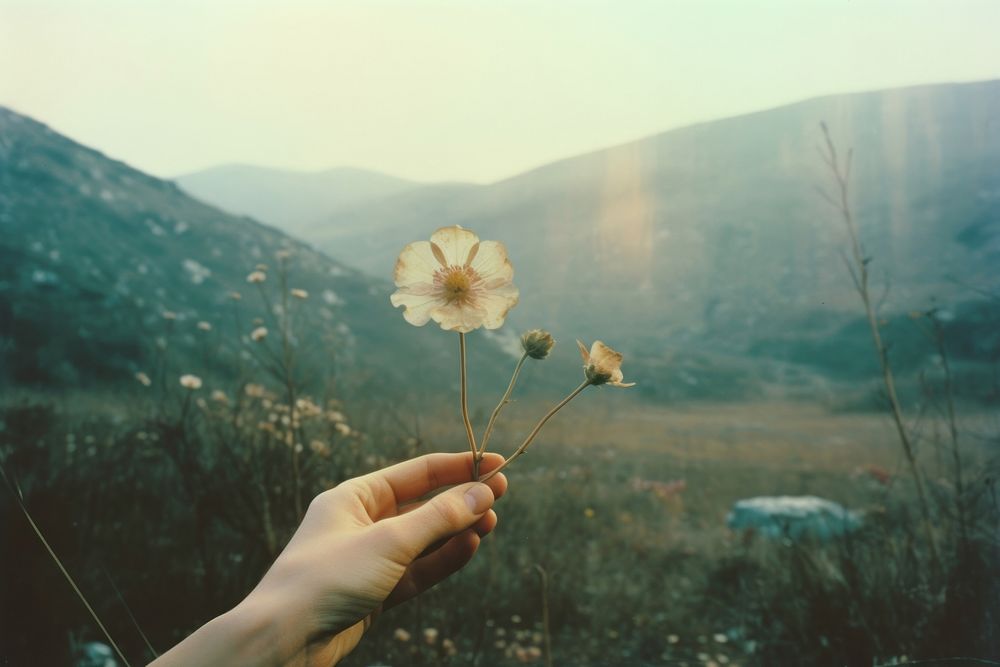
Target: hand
(364,546)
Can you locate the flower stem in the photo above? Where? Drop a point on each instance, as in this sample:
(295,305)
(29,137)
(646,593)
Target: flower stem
(538,427)
(476,456)
(500,406)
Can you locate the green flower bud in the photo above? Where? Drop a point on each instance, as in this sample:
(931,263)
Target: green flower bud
(537,343)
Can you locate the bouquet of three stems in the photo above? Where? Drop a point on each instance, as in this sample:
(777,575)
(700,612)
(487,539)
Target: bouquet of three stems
(463,284)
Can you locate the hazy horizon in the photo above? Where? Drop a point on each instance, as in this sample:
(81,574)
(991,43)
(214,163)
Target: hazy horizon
(447,91)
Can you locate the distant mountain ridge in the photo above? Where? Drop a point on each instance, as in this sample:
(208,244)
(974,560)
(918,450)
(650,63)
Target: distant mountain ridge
(714,237)
(289,200)
(93,254)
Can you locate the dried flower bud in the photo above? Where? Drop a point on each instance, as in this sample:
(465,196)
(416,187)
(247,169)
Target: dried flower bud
(256,277)
(299,293)
(537,343)
(602,365)
(258,334)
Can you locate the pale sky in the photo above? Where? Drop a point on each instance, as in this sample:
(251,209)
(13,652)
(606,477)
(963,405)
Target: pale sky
(461,90)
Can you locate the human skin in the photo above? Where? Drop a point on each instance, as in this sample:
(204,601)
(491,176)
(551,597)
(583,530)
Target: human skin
(366,545)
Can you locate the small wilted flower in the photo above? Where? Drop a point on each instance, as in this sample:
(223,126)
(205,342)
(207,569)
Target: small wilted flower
(401,635)
(219,396)
(258,334)
(256,277)
(456,280)
(342,428)
(537,343)
(255,391)
(204,326)
(430,635)
(307,408)
(319,448)
(602,365)
(336,416)
(143,379)
(299,293)
(449,648)
(191,382)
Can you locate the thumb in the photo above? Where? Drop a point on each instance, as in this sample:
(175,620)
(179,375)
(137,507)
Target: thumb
(442,516)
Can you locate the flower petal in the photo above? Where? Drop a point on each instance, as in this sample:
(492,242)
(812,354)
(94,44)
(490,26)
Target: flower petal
(455,242)
(416,264)
(497,303)
(605,357)
(418,308)
(492,264)
(583,352)
(456,317)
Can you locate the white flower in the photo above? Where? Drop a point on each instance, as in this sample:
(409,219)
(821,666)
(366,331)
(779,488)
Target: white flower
(256,277)
(204,326)
(602,365)
(258,334)
(219,396)
(191,382)
(299,293)
(456,280)
(143,379)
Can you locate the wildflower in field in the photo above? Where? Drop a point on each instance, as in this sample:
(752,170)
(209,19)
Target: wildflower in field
(319,448)
(143,379)
(258,334)
(169,315)
(602,365)
(720,638)
(673,639)
(342,428)
(256,277)
(537,343)
(456,280)
(254,391)
(299,293)
(307,408)
(449,648)
(401,635)
(219,396)
(430,635)
(204,326)
(192,382)
(235,296)
(589,513)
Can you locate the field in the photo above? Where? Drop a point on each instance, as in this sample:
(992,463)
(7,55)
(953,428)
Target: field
(621,508)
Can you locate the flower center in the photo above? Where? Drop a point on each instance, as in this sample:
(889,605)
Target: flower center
(457,283)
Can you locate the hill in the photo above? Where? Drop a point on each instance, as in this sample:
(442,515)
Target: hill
(706,250)
(104,271)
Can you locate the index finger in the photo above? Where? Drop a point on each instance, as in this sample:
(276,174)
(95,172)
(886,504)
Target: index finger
(417,477)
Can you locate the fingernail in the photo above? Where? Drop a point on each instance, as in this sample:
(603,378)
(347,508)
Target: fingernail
(479,498)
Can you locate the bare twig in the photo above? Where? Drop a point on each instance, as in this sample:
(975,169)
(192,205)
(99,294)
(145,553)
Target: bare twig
(860,276)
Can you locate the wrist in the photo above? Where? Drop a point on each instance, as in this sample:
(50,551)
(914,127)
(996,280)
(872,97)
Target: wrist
(266,632)
(252,633)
